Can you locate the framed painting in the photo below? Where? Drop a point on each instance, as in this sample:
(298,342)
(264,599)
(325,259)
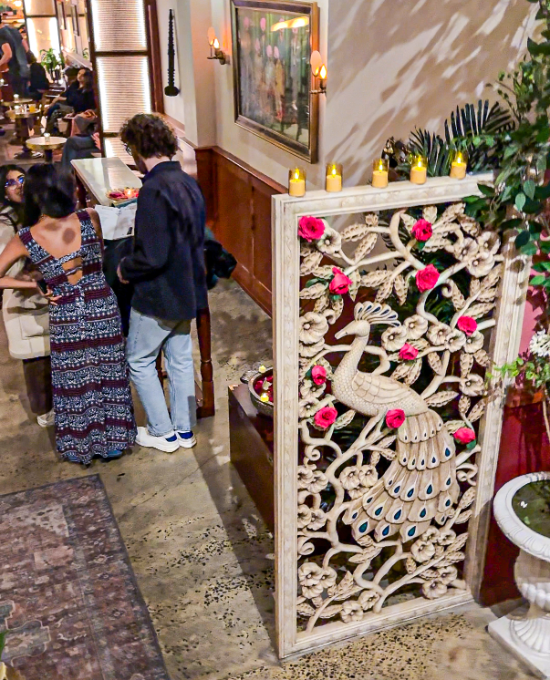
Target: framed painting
(272,45)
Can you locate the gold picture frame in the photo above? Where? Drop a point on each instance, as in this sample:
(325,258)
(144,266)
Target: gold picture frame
(272,45)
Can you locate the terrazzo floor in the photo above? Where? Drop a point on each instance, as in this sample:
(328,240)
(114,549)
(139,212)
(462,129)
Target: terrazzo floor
(204,559)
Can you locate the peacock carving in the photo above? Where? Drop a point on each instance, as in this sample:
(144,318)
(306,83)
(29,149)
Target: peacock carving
(420,484)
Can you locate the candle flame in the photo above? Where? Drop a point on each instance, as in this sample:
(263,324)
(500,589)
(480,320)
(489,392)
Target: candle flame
(323,72)
(216,44)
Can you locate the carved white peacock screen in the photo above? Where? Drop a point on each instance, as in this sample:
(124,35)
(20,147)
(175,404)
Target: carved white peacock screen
(396,317)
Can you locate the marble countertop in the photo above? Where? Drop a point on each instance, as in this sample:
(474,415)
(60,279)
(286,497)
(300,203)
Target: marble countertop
(101,175)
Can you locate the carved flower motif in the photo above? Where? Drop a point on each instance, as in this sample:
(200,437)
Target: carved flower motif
(423,550)
(319,482)
(447,574)
(312,328)
(474,343)
(393,339)
(308,406)
(309,351)
(481,264)
(472,386)
(331,241)
(349,478)
(328,578)
(488,243)
(465,250)
(318,519)
(352,611)
(434,589)
(305,476)
(368,475)
(368,599)
(455,340)
(438,334)
(446,537)
(309,576)
(304,516)
(416,326)
(431,534)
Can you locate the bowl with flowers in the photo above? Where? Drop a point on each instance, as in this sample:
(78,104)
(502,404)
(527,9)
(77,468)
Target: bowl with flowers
(260,386)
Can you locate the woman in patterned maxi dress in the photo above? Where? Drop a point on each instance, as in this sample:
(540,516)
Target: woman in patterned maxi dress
(91,391)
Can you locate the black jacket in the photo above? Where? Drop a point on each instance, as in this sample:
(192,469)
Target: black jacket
(167,266)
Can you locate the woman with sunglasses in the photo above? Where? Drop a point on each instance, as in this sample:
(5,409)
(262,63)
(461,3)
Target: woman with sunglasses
(25,312)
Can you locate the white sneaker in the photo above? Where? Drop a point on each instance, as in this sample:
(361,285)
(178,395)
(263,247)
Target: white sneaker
(47,420)
(168,444)
(187,440)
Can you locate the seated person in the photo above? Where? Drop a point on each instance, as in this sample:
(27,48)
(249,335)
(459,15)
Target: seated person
(39,82)
(63,104)
(82,143)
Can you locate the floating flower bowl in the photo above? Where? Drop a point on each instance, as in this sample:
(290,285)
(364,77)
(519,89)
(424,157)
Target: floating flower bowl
(260,386)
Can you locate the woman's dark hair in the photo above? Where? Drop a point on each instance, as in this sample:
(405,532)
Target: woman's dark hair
(149,136)
(4,171)
(48,191)
(31,59)
(88,79)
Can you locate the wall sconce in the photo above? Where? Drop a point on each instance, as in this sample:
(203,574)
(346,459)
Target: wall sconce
(319,71)
(215,51)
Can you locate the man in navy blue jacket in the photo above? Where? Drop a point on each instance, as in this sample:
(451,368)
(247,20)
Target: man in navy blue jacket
(168,273)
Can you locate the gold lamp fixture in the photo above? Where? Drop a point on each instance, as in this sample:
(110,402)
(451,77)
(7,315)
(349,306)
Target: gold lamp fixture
(215,49)
(319,71)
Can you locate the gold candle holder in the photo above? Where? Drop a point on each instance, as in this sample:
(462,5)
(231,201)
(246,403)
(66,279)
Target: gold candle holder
(334,177)
(419,170)
(297,182)
(459,166)
(380,173)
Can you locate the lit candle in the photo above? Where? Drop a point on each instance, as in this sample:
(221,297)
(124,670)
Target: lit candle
(46,136)
(264,397)
(334,177)
(15,97)
(297,182)
(459,165)
(419,170)
(380,169)
(129,193)
(262,369)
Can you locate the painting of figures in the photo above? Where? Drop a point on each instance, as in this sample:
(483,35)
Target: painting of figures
(272,46)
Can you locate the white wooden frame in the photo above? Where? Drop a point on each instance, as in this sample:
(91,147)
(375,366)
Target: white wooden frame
(286,281)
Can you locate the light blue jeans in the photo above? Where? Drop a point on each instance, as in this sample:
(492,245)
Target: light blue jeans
(149,336)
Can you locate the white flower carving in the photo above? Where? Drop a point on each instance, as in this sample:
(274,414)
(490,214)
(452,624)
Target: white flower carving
(474,343)
(331,241)
(455,340)
(447,574)
(318,483)
(488,243)
(304,516)
(328,578)
(434,589)
(368,599)
(423,550)
(438,334)
(308,407)
(352,611)
(416,326)
(318,519)
(349,478)
(368,475)
(465,250)
(481,264)
(308,351)
(312,328)
(446,537)
(309,577)
(472,385)
(393,339)
(431,534)
(305,476)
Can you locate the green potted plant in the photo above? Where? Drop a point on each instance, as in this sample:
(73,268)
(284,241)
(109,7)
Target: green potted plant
(52,62)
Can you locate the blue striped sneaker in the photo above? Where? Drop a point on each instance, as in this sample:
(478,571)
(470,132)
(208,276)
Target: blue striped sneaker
(187,440)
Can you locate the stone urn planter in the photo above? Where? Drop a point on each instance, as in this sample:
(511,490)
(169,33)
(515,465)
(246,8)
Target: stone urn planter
(522,510)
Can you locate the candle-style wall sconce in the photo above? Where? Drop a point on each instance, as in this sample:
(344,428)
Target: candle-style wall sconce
(215,50)
(319,71)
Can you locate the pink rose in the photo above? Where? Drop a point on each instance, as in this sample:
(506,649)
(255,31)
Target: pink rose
(467,325)
(325,417)
(427,278)
(422,230)
(340,283)
(311,228)
(408,352)
(319,375)
(395,418)
(465,435)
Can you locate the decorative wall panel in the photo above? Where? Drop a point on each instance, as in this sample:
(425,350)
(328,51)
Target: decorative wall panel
(390,306)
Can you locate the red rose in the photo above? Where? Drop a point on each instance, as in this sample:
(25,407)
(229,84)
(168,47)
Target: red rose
(465,435)
(467,324)
(427,278)
(422,230)
(325,417)
(319,375)
(311,228)
(395,418)
(408,352)
(340,283)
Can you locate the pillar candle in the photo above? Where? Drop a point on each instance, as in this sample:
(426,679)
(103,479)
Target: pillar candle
(459,165)
(419,170)
(380,173)
(297,182)
(334,177)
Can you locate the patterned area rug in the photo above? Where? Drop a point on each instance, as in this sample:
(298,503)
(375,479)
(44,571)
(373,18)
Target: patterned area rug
(68,596)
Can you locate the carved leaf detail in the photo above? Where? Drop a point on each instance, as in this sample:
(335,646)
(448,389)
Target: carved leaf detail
(464,404)
(430,213)
(441,398)
(331,611)
(475,285)
(373,279)
(478,410)
(435,363)
(466,364)
(323,272)
(389,454)
(401,371)
(459,543)
(387,441)
(321,304)
(488,295)
(482,358)
(344,420)
(476,311)
(337,304)
(313,292)
(457,298)
(366,245)
(467,499)
(311,261)
(414,372)
(355,284)
(355,232)
(464,517)
(401,286)
(361,558)
(454,425)
(470,226)
(305,609)
(437,242)
(493,277)
(452,558)
(410,565)
(384,291)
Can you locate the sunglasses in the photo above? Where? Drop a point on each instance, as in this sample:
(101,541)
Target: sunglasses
(15,182)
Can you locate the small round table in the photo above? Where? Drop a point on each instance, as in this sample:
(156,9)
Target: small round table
(22,101)
(22,119)
(46,145)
